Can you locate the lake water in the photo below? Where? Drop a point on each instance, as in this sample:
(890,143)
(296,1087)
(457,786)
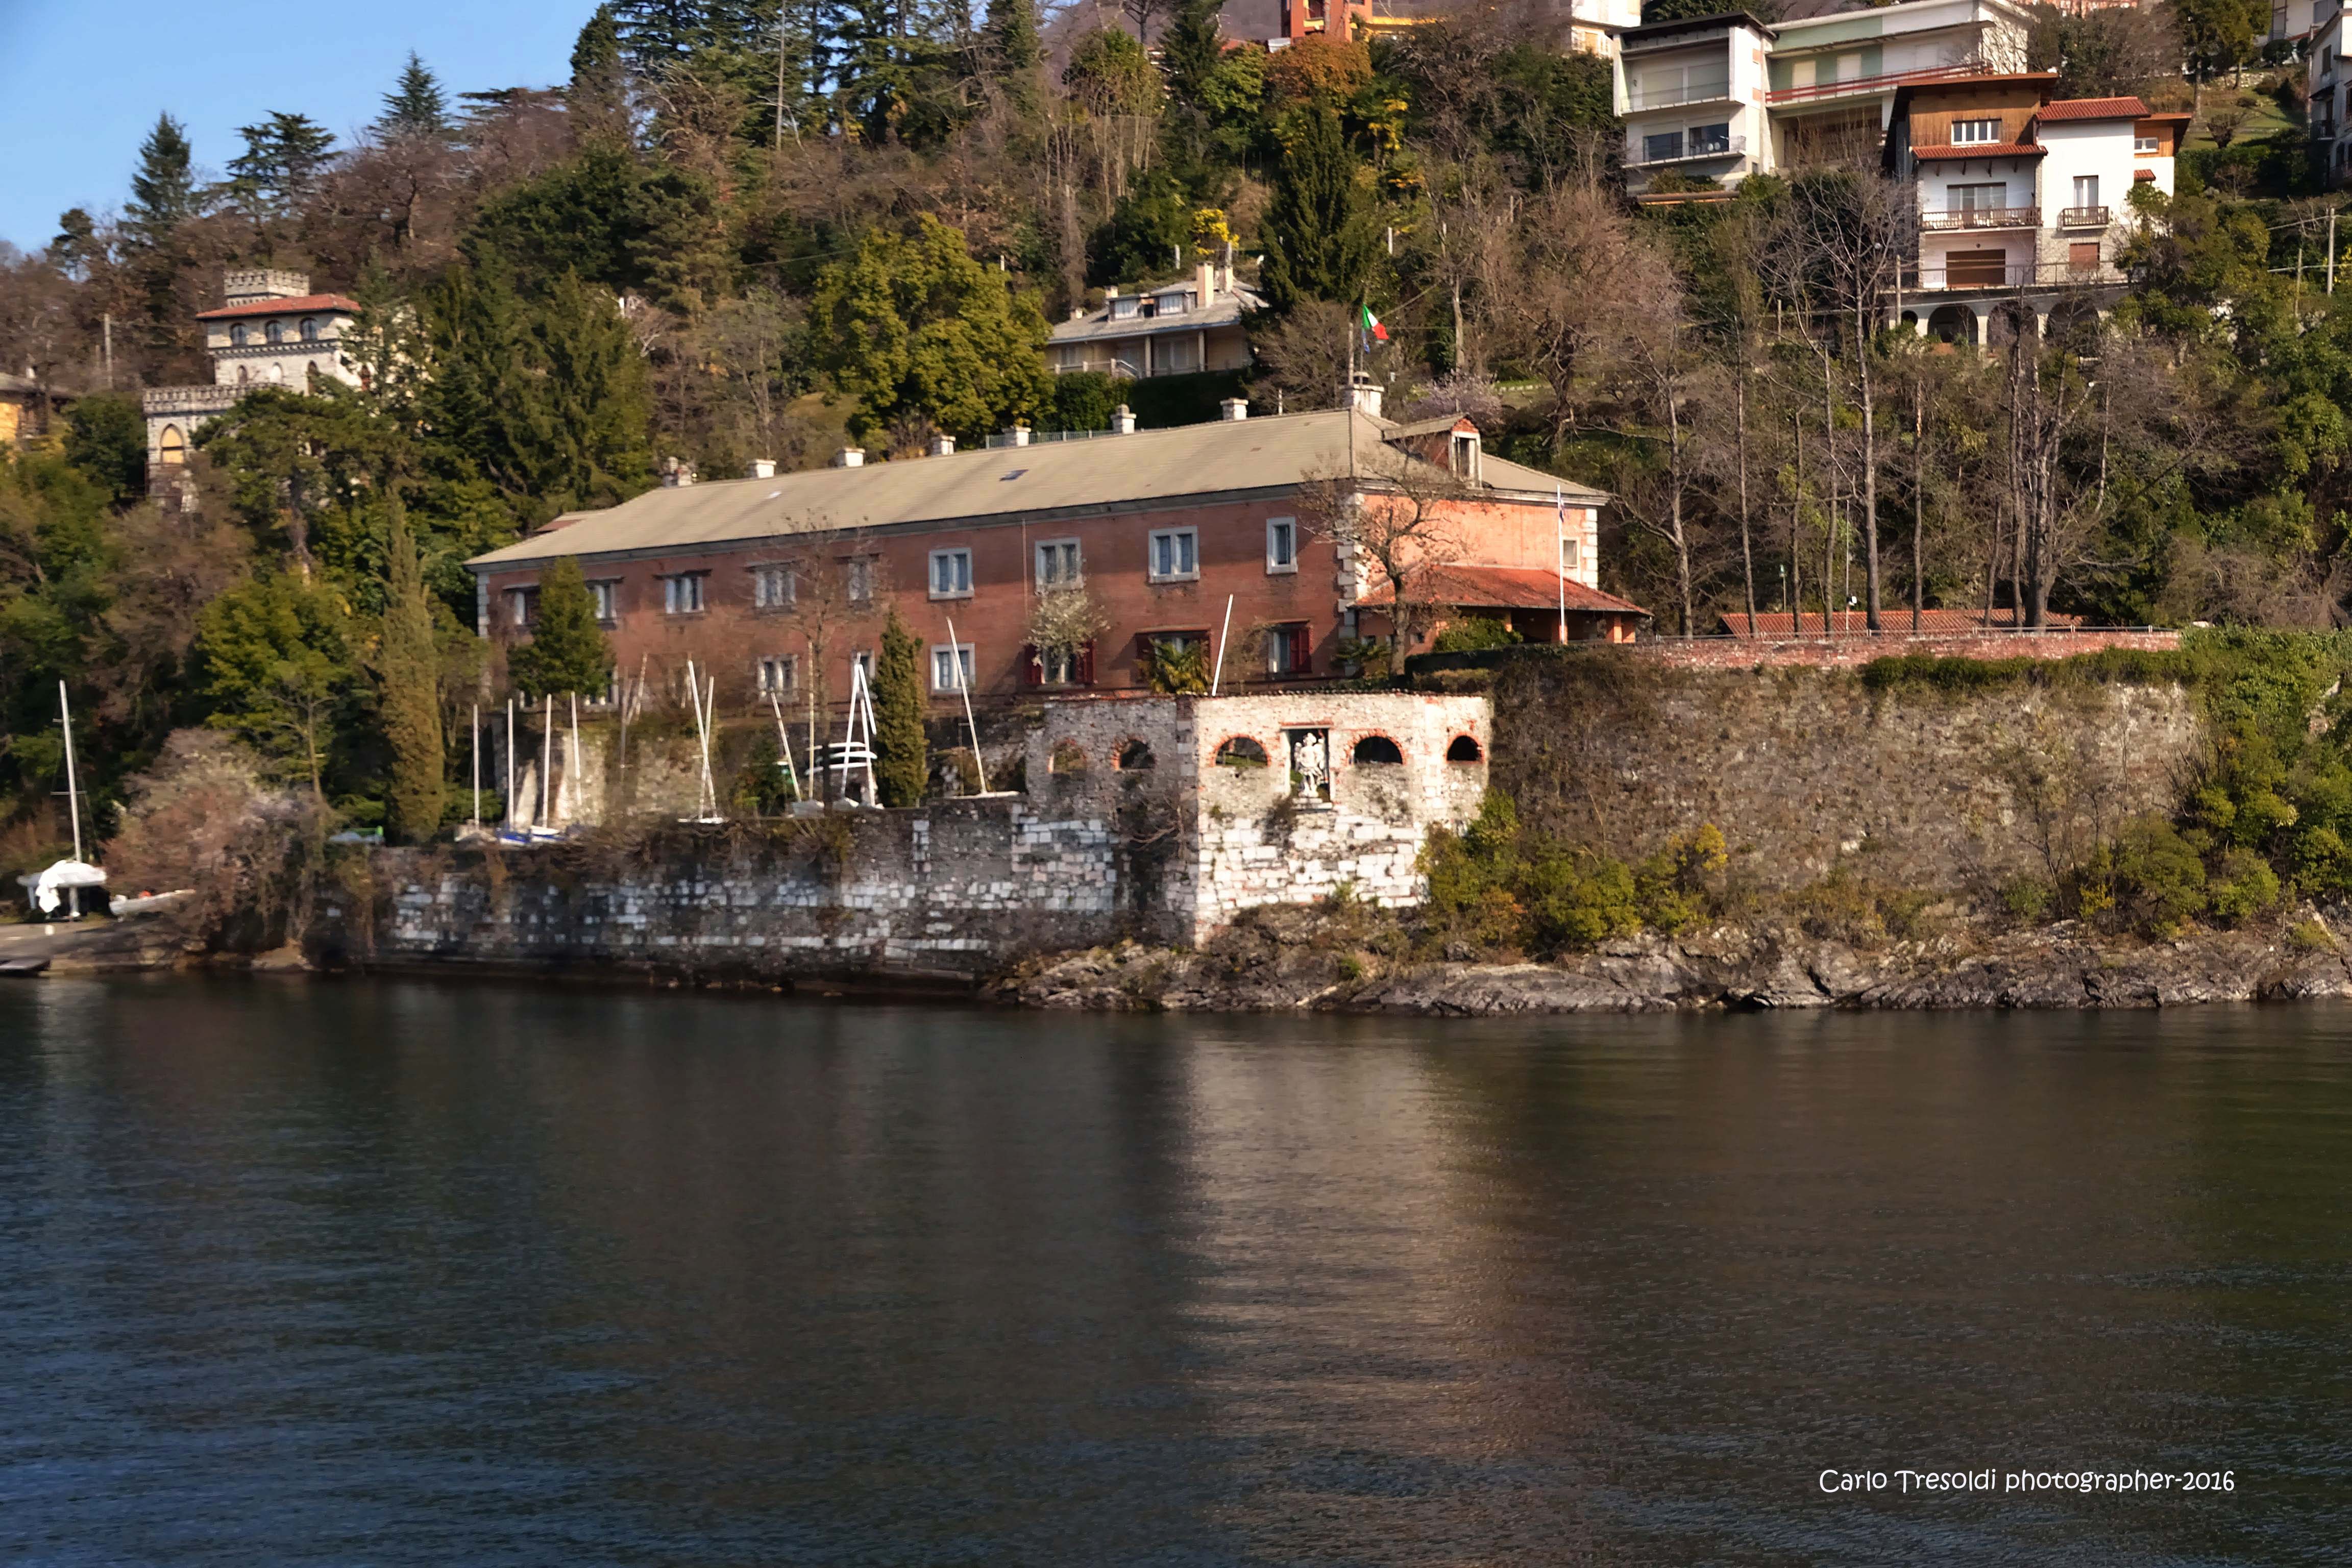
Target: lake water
(359,1273)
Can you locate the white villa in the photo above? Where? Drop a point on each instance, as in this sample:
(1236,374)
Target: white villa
(270,330)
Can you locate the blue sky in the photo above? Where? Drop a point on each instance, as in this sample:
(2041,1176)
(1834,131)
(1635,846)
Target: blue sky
(82,81)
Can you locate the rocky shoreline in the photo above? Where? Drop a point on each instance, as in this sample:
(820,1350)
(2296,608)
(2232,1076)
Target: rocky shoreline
(2058,968)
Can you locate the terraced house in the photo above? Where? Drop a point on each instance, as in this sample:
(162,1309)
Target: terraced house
(1223,536)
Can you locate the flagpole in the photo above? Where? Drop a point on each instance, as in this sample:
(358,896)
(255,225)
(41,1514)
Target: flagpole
(1560,554)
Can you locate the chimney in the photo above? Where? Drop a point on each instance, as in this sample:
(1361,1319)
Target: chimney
(849,457)
(1204,277)
(1234,409)
(761,469)
(942,446)
(1018,436)
(1364,395)
(676,474)
(1122,420)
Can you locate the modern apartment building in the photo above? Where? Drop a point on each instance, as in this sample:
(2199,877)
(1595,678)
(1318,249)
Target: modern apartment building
(1713,99)
(2022,198)
(2326,79)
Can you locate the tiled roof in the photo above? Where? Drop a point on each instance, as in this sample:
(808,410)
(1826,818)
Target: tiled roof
(1855,623)
(1502,588)
(1108,472)
(295,306)
(1982,149)
(1225,310)
(2095,108)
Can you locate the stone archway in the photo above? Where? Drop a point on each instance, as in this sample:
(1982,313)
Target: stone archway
(2010,320)
(1953,324)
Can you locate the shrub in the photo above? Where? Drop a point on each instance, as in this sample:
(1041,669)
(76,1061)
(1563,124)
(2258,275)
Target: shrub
(2027,899)
(2241,887)
(2148,878)
(1472,633)
(1176,669)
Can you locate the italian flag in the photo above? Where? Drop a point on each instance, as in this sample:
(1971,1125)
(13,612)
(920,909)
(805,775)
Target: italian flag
(1372,328)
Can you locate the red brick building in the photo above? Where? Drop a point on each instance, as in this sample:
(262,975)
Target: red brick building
(754,579)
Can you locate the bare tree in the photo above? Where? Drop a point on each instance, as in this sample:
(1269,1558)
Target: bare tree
(1395,524)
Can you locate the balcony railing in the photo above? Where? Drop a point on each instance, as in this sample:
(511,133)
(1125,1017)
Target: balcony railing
(1982,217)
(1880,83)
(2084,217)
(1728,147)
(1667,96)
(2014,275)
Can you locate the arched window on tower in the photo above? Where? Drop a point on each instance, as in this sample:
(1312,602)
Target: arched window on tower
(172,447)
(237,335)
(309,329)
(275,331)
(244,374)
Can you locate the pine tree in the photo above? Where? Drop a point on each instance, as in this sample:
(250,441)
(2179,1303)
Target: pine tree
(1320,232)
(409,670)
(593,420)
(598,97)
(417,107)
(162,188)
(567,652)
(656,33)
(279,167)
(1012,53)
(1190,50)
(902,762)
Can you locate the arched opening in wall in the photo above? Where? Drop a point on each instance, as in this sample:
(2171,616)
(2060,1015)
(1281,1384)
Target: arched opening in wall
(1240,752)
(1135,756)
(310,331)
(237,335)
(275,331)
(172,447)
(244,374)
(1066,758)
(1378,751)
(2010,320)
(1464,750)
(1953,324)
(2073,325)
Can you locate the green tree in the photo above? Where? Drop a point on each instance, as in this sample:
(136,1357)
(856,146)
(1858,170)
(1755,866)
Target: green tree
(162,188)
(2219,34)
(279,170)
(408,667)
(598,97)
(593,441)
(913,325)
(415,107)
(275,653)
(1321,232)
(106,439)
(567,652)
(1012,53)
(902,762)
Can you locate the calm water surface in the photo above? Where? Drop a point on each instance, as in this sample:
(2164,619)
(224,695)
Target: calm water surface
(409,1273)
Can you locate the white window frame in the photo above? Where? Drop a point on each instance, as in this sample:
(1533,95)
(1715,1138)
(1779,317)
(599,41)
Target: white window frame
(2145,145)
(857,574)
(606,593)
(519,600)
(953,566)
(962,655)
(1976,132)
(1182,543)
(2085,185)
(1053,549)
(683,594)
(1281,545)
(775,584)
(1571,554)
(780,673)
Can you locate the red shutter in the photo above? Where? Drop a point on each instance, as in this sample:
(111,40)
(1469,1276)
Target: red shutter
(1302,650)
(1086,669)
(1032,668)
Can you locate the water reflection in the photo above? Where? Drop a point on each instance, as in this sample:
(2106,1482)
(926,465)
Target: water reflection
(409,1273)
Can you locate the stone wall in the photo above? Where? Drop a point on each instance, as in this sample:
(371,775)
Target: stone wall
(1806,770)
(1849,652)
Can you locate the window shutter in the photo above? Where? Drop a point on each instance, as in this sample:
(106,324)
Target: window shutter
(1302,650)
(1085,672)
(1033,665)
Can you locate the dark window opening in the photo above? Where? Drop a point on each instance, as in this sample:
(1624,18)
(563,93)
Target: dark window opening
(1380,748)
(1240,752)
(1464,750)
(1135,756)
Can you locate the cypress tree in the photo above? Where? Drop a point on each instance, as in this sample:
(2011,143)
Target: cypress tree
(410,672)
(598,97)
(1013,51)
(902,762)
(595,400)
(567,652)
(1321,234)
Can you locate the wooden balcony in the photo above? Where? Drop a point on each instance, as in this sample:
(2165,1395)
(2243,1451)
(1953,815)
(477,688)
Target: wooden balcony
(2084,217)
(1981,217)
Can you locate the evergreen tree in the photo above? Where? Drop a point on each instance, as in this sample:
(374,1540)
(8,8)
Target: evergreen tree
(164,186)
(598,97)
(417,107)
(278,170)
(76,246)
(902,762)
(1321,232)
(106,439)
(278,671)
(591,426)
(567,652)
(409,670)
(913,325)
(659,32)
(1189,51)
(1012,53)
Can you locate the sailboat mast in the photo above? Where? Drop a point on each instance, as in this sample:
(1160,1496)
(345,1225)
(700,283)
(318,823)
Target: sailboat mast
(73,786)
